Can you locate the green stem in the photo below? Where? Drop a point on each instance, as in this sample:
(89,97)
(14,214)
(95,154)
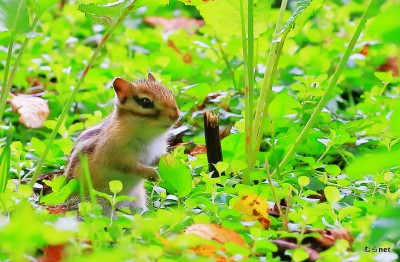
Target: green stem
(328,91)
(4,91)
(228,64)
(263,102)
(87,180)
(249,88)
(70,100)
(247,114)
(21,53)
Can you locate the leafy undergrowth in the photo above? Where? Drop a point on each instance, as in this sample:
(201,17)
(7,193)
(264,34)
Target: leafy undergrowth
(336,200)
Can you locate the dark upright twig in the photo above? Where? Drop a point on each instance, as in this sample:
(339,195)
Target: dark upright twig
(213,143)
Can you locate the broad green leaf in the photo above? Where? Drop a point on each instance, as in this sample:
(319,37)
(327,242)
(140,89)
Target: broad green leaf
(5,160)
(224,16)
(176,174)
(14,16)
(384,25)
(61,195)
(348,211)
(116,186)
(385,77)
(332,194)
(105,14)
(387,224)
(263,245)
(43,5)
(305,8)
(373,163)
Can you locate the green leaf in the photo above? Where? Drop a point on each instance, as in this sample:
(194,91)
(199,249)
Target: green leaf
(348,211)
(221,167)
(333,170)
(388,223)
(43,5)
(224,16)
(61,195)
(305,8)
(373,163)
(105,14)
(303,181)
(14,16)
(332,194)
(384,26)
(5,160)
(299,254)
(116,186)
(176,174)
(385,77)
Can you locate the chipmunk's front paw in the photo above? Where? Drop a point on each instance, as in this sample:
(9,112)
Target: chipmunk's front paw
(153,176)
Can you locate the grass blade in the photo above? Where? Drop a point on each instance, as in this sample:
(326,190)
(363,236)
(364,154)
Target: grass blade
(5,161)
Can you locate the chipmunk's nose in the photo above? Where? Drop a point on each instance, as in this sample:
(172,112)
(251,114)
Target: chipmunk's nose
(173,114)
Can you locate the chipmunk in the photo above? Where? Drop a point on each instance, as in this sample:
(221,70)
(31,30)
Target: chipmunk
(132,138)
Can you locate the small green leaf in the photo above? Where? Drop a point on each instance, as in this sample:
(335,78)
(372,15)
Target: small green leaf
(175,173)
(385,77)
(299,254)
(221,167)
(388,176)
(348,211)
(332,194)
(125,198)
(116,186)
(333,170)
(303,181)
(105,14)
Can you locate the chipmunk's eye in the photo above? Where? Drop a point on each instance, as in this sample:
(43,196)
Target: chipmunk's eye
(145,102)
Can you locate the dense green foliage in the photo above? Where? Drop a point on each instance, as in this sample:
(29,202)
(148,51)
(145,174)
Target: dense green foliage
(344,174)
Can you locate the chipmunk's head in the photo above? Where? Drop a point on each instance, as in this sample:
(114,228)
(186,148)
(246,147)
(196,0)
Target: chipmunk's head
(146,103)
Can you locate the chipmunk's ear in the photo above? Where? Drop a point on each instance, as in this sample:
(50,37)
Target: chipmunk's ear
(151,77)
(123,89)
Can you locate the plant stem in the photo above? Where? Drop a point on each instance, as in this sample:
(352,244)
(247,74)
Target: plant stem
(263,102)
(20,54)
(68,104)
(328,91)
(278,205)
(247,114)
(228,64)
(4,91)
(249,87)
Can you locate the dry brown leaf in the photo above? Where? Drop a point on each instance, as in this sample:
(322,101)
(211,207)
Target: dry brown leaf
(254,208)
(216,233)
(390,65)
(199,149)
(33,111)
(328,237)
(53,253)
